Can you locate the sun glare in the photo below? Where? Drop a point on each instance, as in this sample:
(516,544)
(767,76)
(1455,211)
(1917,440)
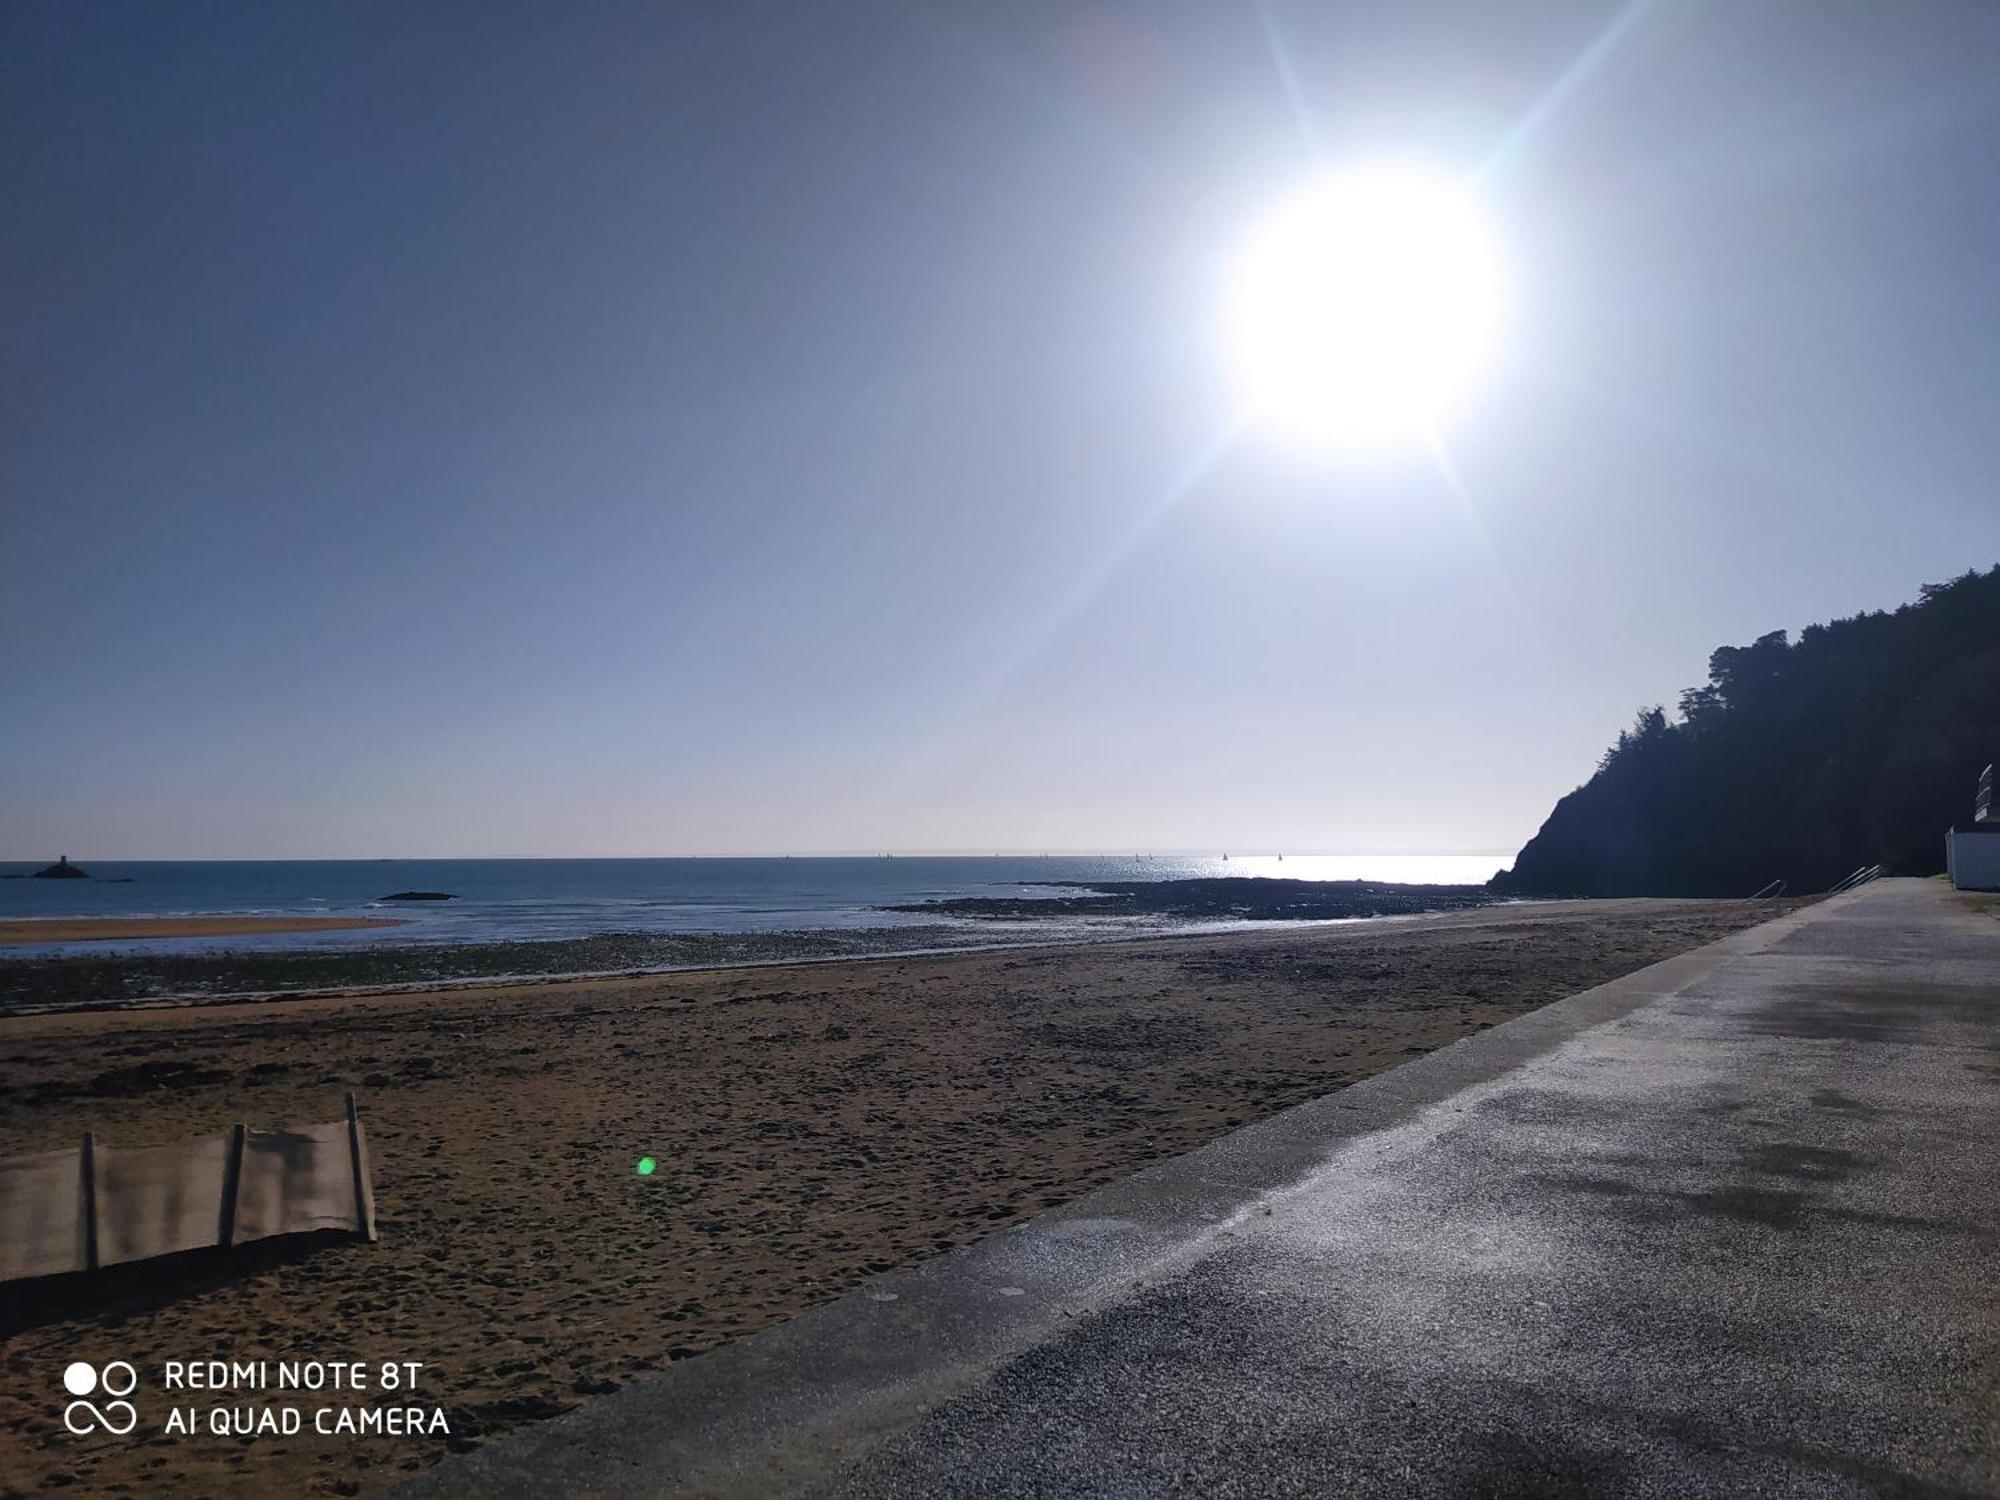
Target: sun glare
(1366,308)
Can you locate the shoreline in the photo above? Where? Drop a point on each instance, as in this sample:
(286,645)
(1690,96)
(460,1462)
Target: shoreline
(193,999)
(55,963)
(481,964)
(816,1125)
(285,973)
(34,931)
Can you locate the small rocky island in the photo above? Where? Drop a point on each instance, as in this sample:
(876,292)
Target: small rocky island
(62,869)
(418,896)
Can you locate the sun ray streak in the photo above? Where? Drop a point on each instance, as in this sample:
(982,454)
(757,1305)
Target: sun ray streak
(1281,59)
(1087,584)
(1518,615)
(1454,481)
(1571,78)
(1083,588)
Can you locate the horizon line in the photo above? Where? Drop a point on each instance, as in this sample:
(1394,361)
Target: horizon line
(946,853)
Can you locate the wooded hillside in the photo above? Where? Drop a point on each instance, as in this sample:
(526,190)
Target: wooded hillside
(1858,743)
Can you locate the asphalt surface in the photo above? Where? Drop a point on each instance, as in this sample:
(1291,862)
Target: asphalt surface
(1729,1226)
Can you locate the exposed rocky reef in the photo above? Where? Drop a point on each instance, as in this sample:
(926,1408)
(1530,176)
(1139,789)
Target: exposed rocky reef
(1241,897)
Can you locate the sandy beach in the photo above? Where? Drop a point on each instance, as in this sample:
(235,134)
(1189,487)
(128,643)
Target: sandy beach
(24,930)
(815,1126)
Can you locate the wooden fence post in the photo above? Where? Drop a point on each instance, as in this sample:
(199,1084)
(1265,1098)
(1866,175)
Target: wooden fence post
(357,1160)
(232,1186)
(90,1200)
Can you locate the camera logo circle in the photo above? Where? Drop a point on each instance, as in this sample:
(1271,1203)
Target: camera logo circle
(116,1379)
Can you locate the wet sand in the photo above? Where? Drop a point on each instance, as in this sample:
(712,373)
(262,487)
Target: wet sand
(19,930)
(815,1125)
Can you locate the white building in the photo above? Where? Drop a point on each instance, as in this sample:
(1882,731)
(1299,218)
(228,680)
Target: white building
(1972,850)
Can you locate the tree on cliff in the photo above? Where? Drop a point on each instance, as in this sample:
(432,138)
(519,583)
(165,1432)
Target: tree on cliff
(1857,744)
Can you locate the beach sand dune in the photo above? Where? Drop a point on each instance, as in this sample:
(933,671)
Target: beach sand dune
(814,1125)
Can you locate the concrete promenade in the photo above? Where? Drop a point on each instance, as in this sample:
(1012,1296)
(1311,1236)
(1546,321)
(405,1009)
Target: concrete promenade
(1729,1226)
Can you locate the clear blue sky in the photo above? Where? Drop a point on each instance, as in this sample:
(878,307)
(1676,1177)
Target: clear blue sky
(662,428)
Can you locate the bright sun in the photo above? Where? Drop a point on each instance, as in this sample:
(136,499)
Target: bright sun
(1365,308)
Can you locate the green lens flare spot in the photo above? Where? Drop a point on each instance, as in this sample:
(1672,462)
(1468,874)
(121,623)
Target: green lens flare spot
(647,1166)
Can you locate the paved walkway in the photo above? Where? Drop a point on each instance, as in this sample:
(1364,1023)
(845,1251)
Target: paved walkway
(1729,1226)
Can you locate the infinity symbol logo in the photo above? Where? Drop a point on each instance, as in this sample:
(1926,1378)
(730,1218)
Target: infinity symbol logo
(81,1379)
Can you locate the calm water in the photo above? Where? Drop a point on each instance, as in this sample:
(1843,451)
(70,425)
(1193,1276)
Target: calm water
(556,898)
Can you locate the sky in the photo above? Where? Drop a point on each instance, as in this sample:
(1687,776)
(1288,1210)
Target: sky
(672,428)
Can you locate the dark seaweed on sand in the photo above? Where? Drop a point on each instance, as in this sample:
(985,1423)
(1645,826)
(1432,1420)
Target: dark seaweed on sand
(114,976)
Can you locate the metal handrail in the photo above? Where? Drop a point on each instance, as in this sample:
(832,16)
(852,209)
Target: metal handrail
(1775,888)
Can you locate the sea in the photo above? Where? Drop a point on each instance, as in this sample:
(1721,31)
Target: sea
(516,899)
